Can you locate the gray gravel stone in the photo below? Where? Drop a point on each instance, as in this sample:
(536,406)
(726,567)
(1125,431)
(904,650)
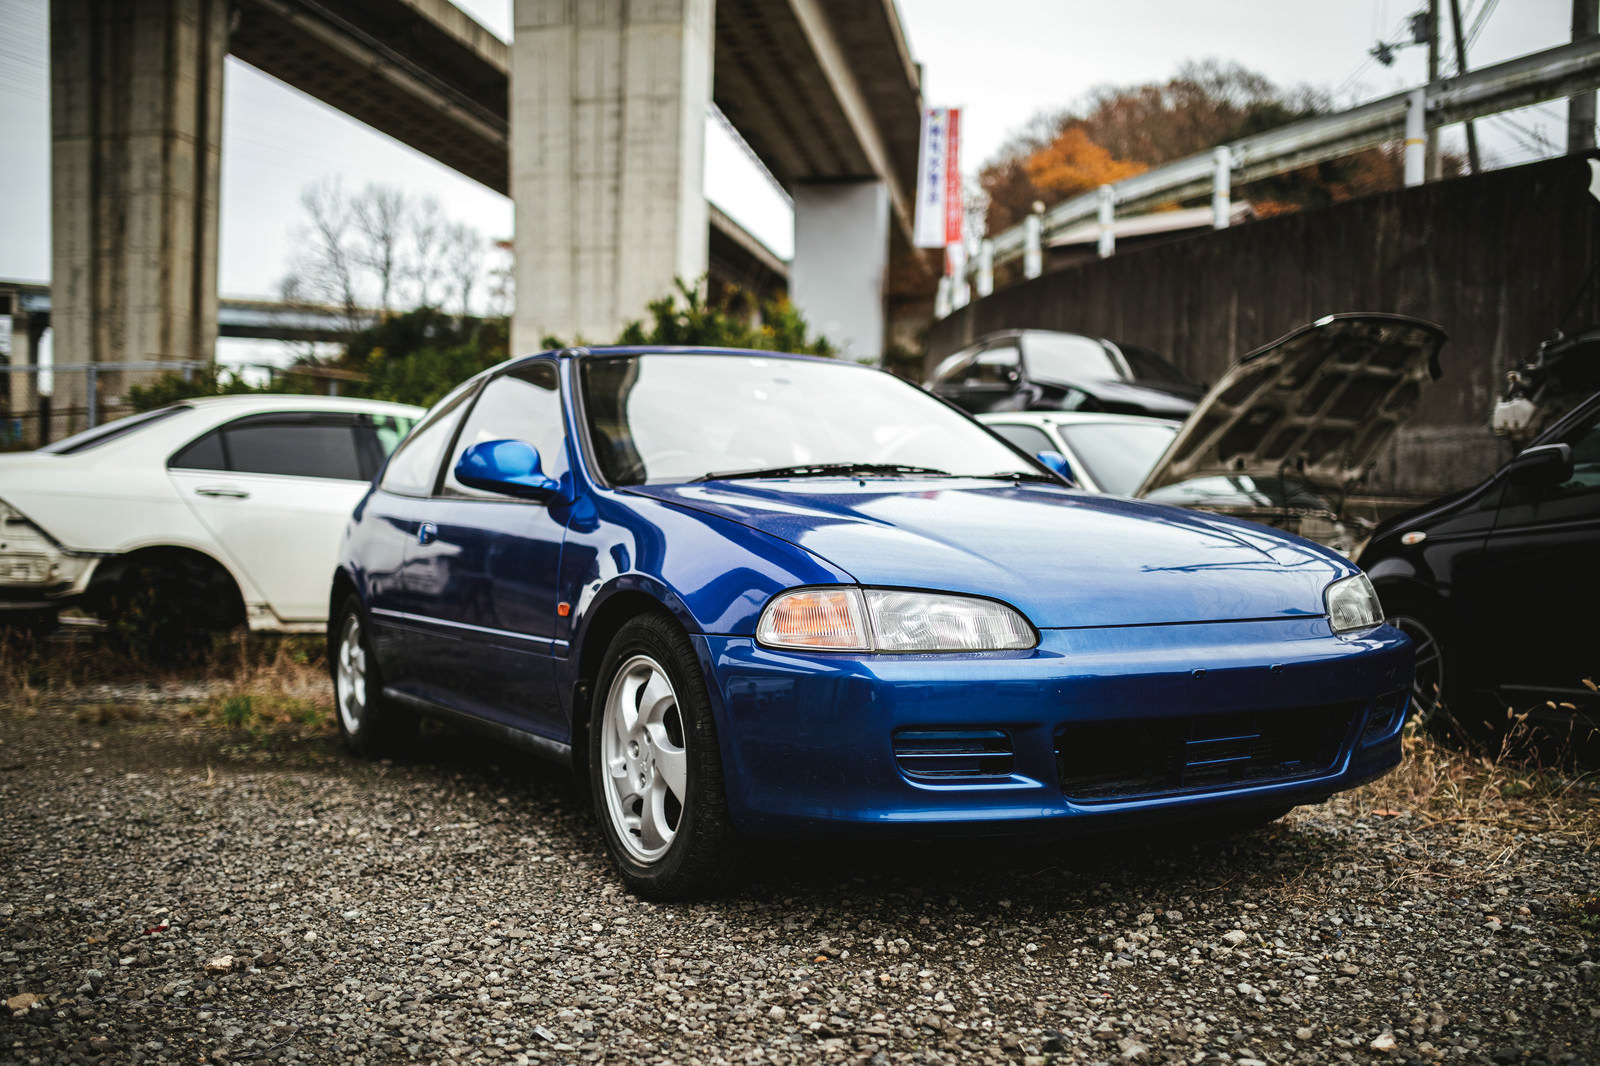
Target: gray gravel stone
(455,906)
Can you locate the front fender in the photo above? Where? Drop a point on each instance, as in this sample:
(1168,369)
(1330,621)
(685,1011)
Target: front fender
(714,574)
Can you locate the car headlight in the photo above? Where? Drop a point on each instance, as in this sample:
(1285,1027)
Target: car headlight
(1352,604)
(890,620)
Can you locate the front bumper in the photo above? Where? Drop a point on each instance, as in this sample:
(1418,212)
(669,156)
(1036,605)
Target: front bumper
(1093,727)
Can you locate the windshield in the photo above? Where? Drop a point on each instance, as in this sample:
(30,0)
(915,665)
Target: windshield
(669,418)
(1118,454)
(1148,366)
(1068,357)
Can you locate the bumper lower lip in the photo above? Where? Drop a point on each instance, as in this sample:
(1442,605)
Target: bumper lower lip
(809,741)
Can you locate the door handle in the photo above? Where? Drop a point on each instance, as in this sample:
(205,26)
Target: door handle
(232,494)
(427,533)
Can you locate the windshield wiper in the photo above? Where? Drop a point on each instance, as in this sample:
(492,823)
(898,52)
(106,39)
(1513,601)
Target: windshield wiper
(1027,475)
(823,470)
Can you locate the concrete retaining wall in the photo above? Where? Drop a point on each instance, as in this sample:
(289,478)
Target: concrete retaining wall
(1497,260)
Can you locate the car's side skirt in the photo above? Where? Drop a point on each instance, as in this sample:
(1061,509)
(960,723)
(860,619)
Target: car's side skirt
(533,742)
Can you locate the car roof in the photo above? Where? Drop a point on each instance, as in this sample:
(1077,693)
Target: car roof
(277,401)
(584,351)
(164,428)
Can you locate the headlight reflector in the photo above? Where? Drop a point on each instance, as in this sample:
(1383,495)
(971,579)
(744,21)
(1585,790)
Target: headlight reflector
(829,619)
(1352,604)
(891,620)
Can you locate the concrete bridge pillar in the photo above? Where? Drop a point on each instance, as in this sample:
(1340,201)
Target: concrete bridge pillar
(136,130)
(841,263)
(25,423)
(608,110)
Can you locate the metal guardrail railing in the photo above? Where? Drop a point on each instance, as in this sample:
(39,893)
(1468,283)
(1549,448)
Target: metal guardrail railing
(1530,79)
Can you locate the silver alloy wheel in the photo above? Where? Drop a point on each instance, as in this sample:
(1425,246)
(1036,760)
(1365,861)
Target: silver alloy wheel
(351,680)
(644,760)
(1427,680)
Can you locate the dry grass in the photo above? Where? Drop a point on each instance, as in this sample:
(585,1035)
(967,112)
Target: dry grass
(254,681)
(1498,812)
(1515,790)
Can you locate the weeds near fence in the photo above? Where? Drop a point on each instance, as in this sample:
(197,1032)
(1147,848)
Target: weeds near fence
(248,680)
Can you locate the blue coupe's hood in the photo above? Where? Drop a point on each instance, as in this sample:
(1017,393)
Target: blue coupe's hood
(1063,558)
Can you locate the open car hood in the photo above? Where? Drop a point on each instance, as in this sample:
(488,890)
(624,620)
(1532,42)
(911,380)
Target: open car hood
(1312,407)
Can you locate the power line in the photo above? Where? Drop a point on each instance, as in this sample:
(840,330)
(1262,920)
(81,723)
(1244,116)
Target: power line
(1478,24)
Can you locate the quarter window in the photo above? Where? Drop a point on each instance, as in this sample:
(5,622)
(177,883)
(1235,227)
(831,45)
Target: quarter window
(413,469)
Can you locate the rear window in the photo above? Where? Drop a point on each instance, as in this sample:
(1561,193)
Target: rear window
(93,438)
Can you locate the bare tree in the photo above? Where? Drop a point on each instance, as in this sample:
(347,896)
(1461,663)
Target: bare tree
(464,263)
(323,271)
(429,247)
(386,249)
(379,216)
(502,279)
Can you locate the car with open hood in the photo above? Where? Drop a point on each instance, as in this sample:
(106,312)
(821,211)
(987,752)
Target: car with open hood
(745,593)
(1291,430)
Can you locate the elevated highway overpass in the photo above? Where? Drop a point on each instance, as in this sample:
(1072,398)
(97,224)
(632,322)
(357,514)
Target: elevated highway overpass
(593,121)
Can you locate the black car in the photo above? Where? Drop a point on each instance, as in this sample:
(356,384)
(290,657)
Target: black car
(1498,588)
(1044,370)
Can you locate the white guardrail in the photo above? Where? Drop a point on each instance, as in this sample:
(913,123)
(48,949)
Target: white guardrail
(1530,79)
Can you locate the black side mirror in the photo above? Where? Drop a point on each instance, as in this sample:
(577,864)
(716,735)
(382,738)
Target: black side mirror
(1541,466)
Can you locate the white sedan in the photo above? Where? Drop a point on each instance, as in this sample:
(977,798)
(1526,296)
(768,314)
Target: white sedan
(1106,453)
(229,508)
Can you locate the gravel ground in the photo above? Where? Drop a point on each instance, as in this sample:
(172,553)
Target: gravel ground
(177,891)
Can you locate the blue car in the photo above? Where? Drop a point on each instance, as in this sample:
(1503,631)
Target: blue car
(745,593)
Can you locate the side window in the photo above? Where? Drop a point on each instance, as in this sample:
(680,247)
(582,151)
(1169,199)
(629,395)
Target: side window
(1585,463)
(1029,438)
(524,404)
(295,447)
(995,366)
(376,437)
(391,430)
(321,445)
(413,469)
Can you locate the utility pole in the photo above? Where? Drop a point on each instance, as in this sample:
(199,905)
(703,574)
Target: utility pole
(1461,68)
(1580,109)
(1435,165)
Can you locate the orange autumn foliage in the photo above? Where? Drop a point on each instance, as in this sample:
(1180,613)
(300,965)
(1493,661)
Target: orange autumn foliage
(1072,164)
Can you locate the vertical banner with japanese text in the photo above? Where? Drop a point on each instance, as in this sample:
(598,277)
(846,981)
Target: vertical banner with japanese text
(939,213)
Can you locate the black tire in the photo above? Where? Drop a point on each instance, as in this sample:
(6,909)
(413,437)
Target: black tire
(655,769)
(167,608)
(370,725)
(1444,701)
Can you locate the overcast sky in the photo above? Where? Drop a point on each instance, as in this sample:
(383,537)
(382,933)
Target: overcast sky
(1002,61)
